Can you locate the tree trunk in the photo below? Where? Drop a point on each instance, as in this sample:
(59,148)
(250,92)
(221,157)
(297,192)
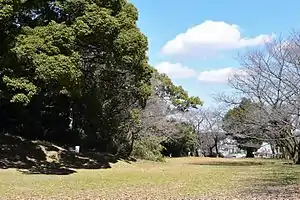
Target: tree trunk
(130,148)
(197,153)
(210,151)
(249,153)
(133,137)
(273,148)
(284,153)
(297,161)
(217,149)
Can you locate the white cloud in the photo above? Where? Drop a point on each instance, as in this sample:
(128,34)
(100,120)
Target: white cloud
(209,37)
(175,70)
(219,75)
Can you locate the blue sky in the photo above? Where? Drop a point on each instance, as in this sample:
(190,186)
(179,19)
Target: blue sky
(195,41)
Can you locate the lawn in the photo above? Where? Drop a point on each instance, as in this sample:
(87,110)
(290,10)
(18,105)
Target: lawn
(177,178)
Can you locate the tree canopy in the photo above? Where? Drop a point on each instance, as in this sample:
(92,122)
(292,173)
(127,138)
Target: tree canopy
(237,123)
(270,79)
(76,72)
(84,60)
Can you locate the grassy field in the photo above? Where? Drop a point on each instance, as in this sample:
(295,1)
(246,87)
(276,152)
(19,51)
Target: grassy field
(177,178)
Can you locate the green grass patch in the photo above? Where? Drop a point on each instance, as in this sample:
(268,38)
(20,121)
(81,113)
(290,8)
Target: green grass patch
(175,178)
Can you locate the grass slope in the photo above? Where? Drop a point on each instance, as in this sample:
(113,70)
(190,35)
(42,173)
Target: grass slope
(177,178)
(38,157)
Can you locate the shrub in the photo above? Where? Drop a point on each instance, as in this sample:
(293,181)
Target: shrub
(182,142)
(148,148)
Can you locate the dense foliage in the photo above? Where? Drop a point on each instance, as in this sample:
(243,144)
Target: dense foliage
(237,124)
(75,72)
(148,148)
(182,143)
(81,60)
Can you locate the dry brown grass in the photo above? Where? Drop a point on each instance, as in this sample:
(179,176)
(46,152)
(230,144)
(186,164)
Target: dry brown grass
(177,178)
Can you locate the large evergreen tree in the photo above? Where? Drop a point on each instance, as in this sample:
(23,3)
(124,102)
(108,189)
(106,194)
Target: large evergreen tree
(238,123)
(72,71)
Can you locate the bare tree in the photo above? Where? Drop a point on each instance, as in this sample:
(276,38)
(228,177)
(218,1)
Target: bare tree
(167,106)
(271,78)
(155,118)
(208,125)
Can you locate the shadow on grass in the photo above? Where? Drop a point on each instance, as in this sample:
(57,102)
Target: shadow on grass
(48,169)
(281,180)
(279,176)
(45,158)
(230,163)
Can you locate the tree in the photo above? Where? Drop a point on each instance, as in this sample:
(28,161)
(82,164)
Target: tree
(182,142)
(270,78)
(160,117)
(166,102)
(208,125)
(39,69)
(76,73)
(72,71)
(236,124)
